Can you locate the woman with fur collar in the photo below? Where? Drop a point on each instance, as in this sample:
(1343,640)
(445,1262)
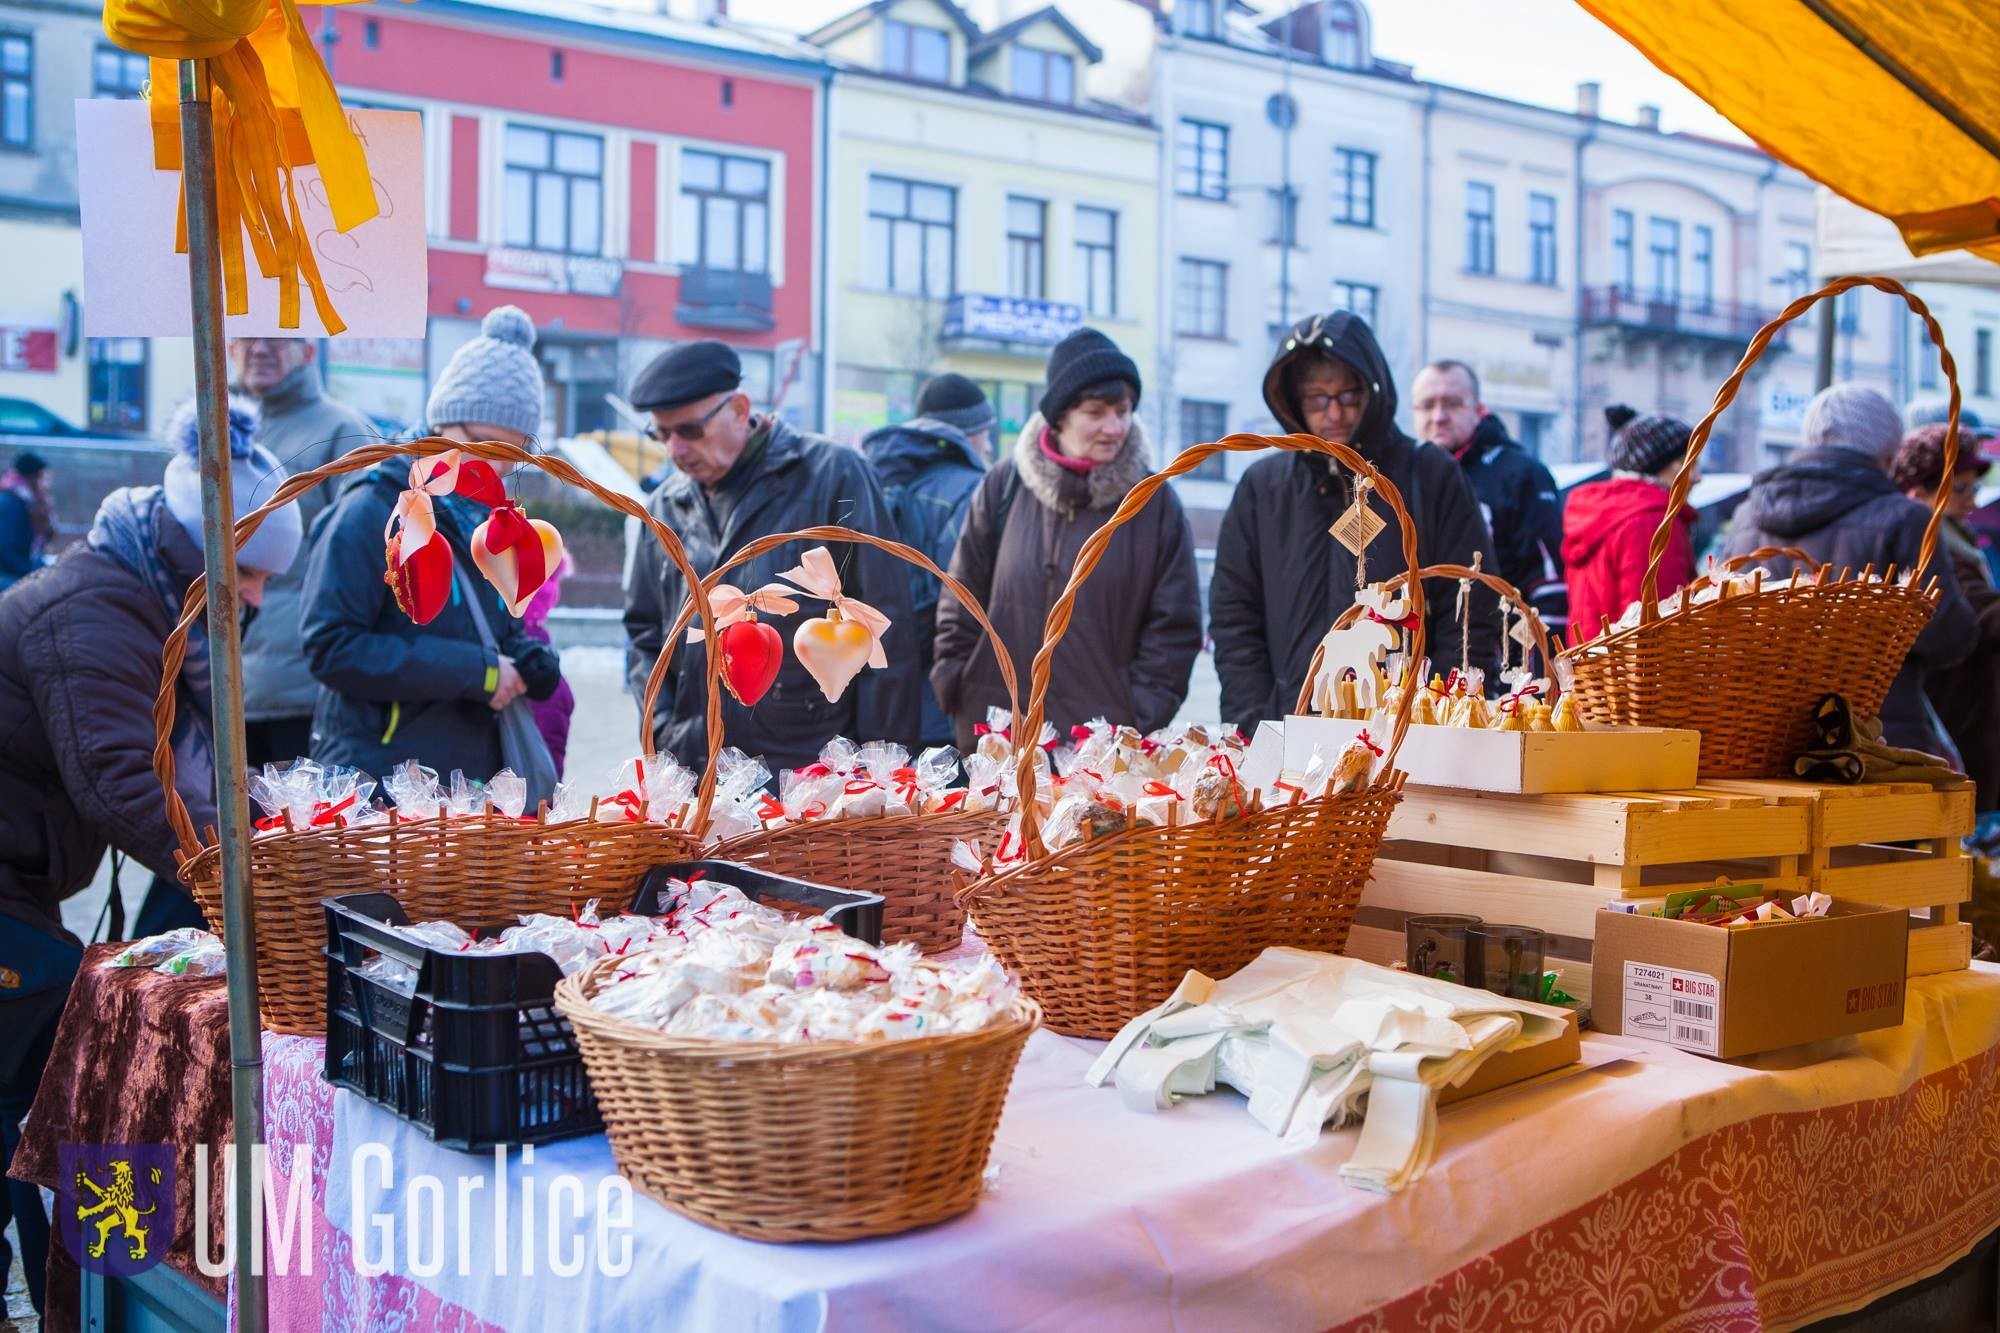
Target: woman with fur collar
(1136,629)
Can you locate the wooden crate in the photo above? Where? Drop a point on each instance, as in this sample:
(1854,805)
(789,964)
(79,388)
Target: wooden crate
(1894,844)
(1553,861)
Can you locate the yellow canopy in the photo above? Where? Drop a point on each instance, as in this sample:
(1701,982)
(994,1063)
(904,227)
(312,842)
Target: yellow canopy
(1893,104)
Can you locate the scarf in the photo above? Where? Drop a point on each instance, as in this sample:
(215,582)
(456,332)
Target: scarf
(1080,466)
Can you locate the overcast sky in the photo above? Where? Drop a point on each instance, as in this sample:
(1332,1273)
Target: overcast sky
(1529,50)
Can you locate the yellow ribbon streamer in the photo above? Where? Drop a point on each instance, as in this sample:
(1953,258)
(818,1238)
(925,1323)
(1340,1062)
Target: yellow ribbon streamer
(275,110)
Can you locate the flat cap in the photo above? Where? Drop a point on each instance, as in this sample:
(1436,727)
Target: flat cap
(686,374)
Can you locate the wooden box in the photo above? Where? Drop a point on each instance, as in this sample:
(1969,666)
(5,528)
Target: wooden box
(1484,759)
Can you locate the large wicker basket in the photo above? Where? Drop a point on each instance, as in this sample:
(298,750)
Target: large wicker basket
(1746,671)
(905,858)
(1103,929)
(783,1142)
(476,868)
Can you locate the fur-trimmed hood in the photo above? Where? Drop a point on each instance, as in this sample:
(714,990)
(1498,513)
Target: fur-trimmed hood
(1067,492)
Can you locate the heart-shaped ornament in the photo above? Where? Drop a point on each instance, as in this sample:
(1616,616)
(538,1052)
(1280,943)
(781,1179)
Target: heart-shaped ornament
(752,652)
(422,583)
(834,649)
(516,554)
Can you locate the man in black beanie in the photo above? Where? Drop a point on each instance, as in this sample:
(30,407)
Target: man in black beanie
(929,467)
(738,475)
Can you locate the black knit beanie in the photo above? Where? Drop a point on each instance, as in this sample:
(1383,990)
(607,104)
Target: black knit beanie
(1644,445)
(956,401)
(1084,358)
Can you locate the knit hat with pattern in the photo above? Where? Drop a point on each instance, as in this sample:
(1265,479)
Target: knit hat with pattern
(494,380)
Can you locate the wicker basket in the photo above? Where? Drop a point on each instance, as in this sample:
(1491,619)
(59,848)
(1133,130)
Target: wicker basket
(440,869)
(1499,586)
(784,1142)
(1103,929)
(1747,671)
(905,858)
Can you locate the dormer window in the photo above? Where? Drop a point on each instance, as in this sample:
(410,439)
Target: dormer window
(1043,76)
(1198,17)
(917,51)
(1344,46)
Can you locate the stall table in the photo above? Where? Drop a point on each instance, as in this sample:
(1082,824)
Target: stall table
(1649,1187)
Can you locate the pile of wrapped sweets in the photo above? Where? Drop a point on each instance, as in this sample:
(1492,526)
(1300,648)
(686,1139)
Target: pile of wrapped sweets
(851,782)
(186,952)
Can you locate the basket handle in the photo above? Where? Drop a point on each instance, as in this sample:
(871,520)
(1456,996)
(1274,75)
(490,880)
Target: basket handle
(762,545)
(1649,589)
(174,651)
(1505,590)
(1098,542)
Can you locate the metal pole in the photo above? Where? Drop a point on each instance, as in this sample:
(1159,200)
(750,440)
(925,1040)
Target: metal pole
(1823,361)
(232,806)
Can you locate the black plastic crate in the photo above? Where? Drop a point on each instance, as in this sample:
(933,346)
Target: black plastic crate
(478,1054)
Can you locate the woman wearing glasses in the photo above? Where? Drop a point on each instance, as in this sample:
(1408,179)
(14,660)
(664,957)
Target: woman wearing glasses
(1280,580)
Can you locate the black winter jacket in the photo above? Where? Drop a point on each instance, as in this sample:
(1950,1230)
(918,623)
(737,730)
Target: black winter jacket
(795,481)
(79,665)
(1839,506)
(928,471)
(1136,627)
(1522,509)
(391,689)
(1280,580)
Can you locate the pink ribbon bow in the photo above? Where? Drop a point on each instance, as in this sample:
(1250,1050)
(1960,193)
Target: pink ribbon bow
(817,576)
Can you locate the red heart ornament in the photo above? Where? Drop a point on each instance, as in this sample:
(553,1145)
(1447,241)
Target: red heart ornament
(752,652)
(422,583)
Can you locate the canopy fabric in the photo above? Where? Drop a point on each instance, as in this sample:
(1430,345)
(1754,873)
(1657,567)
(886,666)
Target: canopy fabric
(1891,104)
(1853,241)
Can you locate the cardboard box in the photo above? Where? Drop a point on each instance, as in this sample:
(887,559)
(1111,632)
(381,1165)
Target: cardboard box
(1483,759)
(1727,993)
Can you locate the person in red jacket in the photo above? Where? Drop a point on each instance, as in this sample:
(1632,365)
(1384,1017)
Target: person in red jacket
(1608,525)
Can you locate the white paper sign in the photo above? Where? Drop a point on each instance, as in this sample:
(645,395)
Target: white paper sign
(1682,1009)
(135,285)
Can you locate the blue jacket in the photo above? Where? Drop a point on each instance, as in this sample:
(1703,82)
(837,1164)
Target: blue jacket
(928,472)
(17,539)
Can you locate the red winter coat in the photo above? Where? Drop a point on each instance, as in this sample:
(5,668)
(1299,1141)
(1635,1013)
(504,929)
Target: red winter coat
(1608,527)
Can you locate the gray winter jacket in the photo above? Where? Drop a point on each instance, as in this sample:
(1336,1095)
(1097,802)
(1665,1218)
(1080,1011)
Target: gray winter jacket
(1839,506)
(304,429)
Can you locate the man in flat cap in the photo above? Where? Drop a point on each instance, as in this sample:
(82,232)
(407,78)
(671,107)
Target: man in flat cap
(739,475)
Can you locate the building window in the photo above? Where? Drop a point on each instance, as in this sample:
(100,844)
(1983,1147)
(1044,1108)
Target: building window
(555,191)
(371,34)
(1982,363)
(1027,247)
(1204,423)
(1284,216)
(1536,430)
(912,236)
(1927,362)
(1704,268)
(1197,17)
(1203,299)
(1353,187)
(920,52)
(731,198)
(1201,166)
(1798,269)
(1344,47)
(1850,311)
(17,90)
(118,384)
(1542,239)
(116,73)
(1097,260)
(1663,245)
(1357,298)
(1043,76)
(1478,227)
(1623,263)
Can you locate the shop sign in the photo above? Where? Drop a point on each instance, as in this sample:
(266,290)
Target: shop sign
(1785,409)
(1011,319)
(544,271)
(27,348)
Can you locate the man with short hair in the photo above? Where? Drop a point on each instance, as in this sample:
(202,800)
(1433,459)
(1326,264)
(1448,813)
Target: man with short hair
(304,429)
(1516,493)
(739,475)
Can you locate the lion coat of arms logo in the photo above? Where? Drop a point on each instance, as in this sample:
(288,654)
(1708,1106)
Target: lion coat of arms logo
(117,1205)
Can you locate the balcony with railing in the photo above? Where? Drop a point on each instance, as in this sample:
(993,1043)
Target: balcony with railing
(719,298)
(1674,316)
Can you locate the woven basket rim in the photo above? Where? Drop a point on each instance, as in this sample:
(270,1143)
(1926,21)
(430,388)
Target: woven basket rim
(573,1001)
(1772,595)
(863,823)
(296,838)
(1390,782)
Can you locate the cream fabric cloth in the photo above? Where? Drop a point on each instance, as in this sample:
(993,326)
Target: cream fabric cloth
(1313,1039)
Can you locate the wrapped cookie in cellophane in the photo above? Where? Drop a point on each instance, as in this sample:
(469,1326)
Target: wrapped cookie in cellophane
(309,796)
(740,801)
(415,790)
(649,787)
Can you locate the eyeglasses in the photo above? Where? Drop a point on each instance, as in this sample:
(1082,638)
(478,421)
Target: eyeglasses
(690,431)
(1348,398)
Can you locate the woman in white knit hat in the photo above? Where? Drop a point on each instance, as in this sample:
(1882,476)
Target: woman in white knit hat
(392,690)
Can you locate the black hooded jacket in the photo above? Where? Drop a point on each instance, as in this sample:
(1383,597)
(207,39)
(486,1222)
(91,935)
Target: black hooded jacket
(1521,506)
(1280,580)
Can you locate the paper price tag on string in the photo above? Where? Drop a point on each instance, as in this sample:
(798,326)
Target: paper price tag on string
(1360,525)
(1522,632)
